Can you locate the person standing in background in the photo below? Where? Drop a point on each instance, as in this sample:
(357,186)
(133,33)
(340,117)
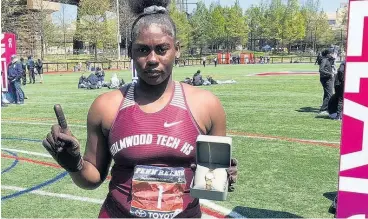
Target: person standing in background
(326,79)
(30,67)
(24,66)
(15,73)
(39,67)
(339,89)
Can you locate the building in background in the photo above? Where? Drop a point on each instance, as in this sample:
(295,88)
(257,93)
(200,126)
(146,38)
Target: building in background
(335,19)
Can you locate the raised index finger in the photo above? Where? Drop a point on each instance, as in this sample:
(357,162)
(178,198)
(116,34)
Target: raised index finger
(60,116)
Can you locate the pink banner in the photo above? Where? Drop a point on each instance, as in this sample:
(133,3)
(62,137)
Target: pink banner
(8,48)
(353,177)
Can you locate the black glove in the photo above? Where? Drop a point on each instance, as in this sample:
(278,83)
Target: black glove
(62,145)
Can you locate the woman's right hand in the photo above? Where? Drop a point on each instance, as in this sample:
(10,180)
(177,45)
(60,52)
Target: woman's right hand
(62,145)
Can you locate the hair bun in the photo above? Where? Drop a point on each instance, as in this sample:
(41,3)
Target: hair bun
(138,6)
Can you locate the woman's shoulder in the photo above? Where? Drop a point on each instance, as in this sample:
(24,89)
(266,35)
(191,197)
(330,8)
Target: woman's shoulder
(196,95)
(110,100)
(197,92)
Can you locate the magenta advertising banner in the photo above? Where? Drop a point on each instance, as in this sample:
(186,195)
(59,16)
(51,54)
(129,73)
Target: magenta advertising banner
(353,176)
(8,48)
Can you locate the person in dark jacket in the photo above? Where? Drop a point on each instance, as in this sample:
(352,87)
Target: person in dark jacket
(24,66)
(15,73)
(327,80)
(30,67)
(100,75)
(336,102)
(83,83)
(92,82)
(39,67)
(197,79)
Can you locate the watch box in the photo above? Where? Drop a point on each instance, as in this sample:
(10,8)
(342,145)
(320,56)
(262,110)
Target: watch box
(213,157)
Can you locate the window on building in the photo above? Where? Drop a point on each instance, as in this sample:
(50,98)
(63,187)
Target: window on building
(332,22)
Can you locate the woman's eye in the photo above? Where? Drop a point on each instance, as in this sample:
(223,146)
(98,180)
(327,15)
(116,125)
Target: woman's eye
(161,50)
(143,50)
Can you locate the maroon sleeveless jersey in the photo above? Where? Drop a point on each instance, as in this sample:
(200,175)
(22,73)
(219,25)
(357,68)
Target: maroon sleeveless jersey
(165,139)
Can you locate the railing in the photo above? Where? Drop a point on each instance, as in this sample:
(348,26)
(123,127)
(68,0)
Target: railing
(78,66)
(123,65)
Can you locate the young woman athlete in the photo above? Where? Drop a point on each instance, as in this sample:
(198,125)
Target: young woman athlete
(149,129)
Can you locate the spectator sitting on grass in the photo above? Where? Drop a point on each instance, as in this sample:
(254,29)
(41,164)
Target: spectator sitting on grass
(100,76)
(197,79)
(82,82)
(92,82)
(114,82)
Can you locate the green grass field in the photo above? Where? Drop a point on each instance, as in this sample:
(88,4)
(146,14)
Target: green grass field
(279,175)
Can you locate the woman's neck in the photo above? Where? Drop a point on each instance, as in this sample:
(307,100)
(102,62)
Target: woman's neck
(150,93)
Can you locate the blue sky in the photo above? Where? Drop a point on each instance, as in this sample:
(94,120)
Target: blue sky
(327,5)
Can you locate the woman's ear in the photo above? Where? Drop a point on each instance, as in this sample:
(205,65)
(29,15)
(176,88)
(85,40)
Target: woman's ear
(177,48)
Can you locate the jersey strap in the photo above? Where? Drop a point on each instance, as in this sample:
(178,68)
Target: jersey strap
(178,99)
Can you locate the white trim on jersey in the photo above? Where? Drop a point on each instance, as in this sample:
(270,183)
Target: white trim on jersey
(134,72)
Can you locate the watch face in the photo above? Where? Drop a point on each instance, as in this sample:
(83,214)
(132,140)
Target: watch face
(210,176)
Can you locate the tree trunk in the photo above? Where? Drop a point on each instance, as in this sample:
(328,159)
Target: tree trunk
(95,51)
(42,48)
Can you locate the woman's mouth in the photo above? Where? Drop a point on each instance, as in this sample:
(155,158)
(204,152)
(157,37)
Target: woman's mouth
(153,74)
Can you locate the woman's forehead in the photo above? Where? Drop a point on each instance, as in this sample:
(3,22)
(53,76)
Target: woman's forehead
(154,32)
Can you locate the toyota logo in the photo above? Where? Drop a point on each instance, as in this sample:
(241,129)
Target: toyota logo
(140,213)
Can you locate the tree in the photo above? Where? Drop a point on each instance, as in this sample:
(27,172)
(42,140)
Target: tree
(33,28)
(293,28)
(126,18)
(256,18)
(323,34)
(8,10)
(217,25)
(63,23)
(200,26)
(310,12)
(93,26)
(34,24)
(236,26)
(275,17)
(182,25)
(343,20)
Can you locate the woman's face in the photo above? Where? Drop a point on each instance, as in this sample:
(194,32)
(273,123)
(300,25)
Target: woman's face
(153,52)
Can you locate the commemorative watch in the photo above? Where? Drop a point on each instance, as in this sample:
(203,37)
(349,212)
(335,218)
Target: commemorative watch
(209,177)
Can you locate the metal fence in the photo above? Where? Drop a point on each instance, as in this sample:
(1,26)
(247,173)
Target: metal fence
(124,65)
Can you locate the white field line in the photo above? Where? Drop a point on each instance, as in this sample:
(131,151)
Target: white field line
(58,195)
(220,209)
(231,135)
(27,152)
(39,123)
(30,153)
(206,203)
(275,138)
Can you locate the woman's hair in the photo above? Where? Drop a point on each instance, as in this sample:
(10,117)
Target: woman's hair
(151,12)
(326,52)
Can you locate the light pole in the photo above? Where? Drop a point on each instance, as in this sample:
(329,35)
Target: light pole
(64,30)
(126,41)
(118,27)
